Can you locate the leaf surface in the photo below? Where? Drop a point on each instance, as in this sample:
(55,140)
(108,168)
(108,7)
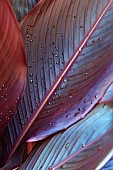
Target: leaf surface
(22,7)
(64,81)
(15,161)
(109,165)
(83,145)
(12,64)
(108,97)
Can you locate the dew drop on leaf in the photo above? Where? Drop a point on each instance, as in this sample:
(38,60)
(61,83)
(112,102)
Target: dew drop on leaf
(31,81)
(83,145)
(31,75)
(54,26)
(95,97)
(79,109)
(85,101)
(67,145)
(57,62)
(70,97)
(104,106)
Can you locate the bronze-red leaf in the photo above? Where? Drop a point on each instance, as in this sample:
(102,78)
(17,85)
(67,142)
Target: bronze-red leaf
(12,64)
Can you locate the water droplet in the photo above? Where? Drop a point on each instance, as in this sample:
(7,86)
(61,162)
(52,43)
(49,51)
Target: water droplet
(41,58)
(31,75)
(49,103)
(31,41)
(62,86)
(93,41)
(99,147)
(27,36)
(40,12)
(91,102)
(50,123)
(29,66)
(56,55)
(86,44)
(31,81)
(83,145)
(104,106)
(26,42)
(86,73)
(70,97)
(3,85)
(85,101)
(18,97)
(81,26)
(65,80)
(95,97)
(54,26)
(67,116)
(100,38)
(57,62)
(79,109)
(53,43)
(67,145)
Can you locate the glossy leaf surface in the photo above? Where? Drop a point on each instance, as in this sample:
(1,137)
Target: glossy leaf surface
(83,145)
(22,7)
(109,165)
(64,82)
(15,161)
(108,95)
(12,64)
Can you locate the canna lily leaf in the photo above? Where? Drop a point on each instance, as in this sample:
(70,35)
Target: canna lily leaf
(108,95)
(82,146)
(12,64)
(64,81)
(15,161)
(22,7)
(109,165)
(106,160)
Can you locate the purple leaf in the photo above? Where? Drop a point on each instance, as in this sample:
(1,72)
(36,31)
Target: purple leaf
(12,64)
(15,161)
(83,145)
(108,95)
(70,65)
(22,7)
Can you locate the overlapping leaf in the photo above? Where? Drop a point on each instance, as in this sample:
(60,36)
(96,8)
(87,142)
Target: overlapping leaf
(15,161)
(70,66)
(109,165)
(22,7)
(108,95)
(82,146)
(12,64)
